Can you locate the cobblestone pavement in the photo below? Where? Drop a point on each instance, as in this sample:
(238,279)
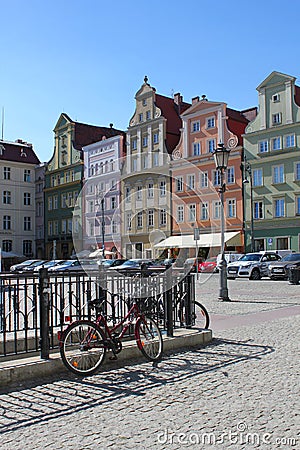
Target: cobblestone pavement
(240,392)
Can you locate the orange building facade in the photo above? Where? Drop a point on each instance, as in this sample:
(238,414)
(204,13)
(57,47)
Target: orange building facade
(196,182)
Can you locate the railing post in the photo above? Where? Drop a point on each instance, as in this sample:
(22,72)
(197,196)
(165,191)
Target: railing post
(44,313)
(188,300)
(169,304)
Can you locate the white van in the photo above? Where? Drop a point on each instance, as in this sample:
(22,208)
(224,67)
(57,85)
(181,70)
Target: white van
(229,257)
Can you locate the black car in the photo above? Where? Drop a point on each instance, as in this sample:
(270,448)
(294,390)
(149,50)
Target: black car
(280,269)
(137,266)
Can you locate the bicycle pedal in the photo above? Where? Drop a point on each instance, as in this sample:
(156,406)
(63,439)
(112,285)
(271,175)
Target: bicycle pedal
(113,358)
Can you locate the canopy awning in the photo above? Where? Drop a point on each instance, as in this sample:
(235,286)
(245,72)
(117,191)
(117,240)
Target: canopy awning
(99,252)
(232,238)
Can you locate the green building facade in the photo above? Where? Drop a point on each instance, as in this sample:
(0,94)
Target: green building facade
(272,167)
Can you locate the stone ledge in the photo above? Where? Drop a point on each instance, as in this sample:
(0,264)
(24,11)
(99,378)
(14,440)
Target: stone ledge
(30,368)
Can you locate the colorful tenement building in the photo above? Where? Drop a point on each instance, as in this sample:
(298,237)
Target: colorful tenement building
(272,165)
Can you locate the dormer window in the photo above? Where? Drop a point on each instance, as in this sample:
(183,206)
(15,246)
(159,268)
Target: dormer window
(141,117)
(148,115)
(144,102)
(276,119)
(275,98)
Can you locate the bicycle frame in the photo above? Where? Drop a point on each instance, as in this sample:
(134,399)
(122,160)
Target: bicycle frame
(109,331)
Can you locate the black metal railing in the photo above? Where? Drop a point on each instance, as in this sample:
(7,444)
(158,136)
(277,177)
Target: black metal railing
(33,308)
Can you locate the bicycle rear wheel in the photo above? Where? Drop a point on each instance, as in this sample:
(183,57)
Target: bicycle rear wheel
(200,317)
(148,338)
(83,347)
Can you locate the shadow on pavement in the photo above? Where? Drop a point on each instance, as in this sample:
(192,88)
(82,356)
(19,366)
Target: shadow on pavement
(44,400)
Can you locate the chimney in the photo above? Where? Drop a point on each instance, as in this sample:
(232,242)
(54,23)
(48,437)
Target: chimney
(203,98)
(111,125)
(195,100)
(178,98)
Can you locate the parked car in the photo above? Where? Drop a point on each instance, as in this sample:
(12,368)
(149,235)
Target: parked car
(190,264)
(69,264)
(108,263)
(134,266)
(19,267)
(229,257)
(32,266)
(48,264)
(209,265)
(280,269)
(252,265)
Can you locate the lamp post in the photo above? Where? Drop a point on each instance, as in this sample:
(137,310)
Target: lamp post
(248,170)
(103,227)
(221,155)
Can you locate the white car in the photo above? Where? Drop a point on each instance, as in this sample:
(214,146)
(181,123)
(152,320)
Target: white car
(252,265)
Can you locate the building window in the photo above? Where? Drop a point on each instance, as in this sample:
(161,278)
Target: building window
(179,184)
(134,164)
(150,218)
(6,198)
(139,220)
(276,143)
(39,209)
(276,118)
(6,173)
(128,221)
(50,228)
(113,203)
(27,248)
(145,141)
(145,161)
(258,212)
(70,225)
(7,245)
(150,190)
(279,207)
(139,192)
(204,179)
(297,171)
(63,201)
(275,98)
(64,226)
(50,203)
(231,208)
(298,205)
(290,140)
(196,149)
(162,188)
(114,227)
(191,181)
(91,229)
(257,177)
(27,198)
(155,138)
(216,178)
(141,117)
(192,213)
(195,126)
(55,223)
(27,175)
(211,145)
(148,115)
(163,217)
(278,174)
(217,209)
(70,199)
(127,193)
(55,202)
(263,146)
(180,213)
(230,175)
(91,206)
(210,122)
(134,144)
(27,223)
(204,211)
(155,159)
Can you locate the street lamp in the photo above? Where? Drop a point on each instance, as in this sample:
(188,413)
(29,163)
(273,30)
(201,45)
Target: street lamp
(103,227)
(248,170)
(221,155)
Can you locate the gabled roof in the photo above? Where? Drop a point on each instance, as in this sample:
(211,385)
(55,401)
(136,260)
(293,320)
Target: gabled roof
(275,77)
(201,105)
(18,151)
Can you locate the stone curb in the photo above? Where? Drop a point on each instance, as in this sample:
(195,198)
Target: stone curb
(31,368)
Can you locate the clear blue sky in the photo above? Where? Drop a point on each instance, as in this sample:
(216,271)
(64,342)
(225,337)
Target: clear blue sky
(88,58)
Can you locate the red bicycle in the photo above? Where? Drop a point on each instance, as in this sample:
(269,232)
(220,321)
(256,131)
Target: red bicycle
(84,343)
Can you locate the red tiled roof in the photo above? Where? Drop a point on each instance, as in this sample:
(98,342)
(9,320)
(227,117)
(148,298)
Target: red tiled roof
(297,95)
(18,152)
(88,134)
(171,111)
(236,123)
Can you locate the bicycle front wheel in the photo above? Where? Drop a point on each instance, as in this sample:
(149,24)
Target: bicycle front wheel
(148,338)
(83,347)
(200,316)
